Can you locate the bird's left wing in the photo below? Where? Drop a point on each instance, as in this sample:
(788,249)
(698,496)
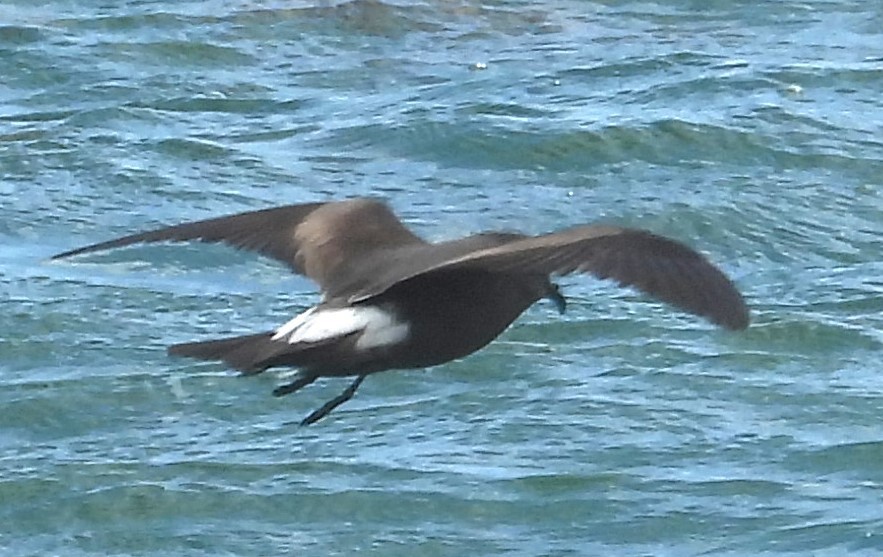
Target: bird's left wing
(318,240)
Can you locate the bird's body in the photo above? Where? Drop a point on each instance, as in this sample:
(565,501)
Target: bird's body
(393,301)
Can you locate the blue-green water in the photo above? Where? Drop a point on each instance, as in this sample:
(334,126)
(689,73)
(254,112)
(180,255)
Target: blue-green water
(751,130)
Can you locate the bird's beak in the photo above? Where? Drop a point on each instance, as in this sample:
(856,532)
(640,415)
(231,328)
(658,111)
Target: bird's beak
(557,298)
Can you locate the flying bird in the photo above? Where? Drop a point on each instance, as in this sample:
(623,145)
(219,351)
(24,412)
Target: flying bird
(391,300)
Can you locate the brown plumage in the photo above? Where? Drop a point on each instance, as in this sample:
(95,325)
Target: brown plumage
(394,301)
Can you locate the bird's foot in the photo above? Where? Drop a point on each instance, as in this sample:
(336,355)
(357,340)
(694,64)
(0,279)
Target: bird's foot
(299,383)
(334,402)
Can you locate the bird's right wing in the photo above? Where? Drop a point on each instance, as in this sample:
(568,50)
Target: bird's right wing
(663,268)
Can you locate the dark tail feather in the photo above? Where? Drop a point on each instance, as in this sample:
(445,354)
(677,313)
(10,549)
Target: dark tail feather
(248,353)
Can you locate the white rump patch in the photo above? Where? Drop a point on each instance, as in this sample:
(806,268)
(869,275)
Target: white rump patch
(379,327)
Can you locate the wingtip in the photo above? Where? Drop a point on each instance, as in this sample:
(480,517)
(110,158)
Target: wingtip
(65,254)
(737,319)
(741,321)
(86,249)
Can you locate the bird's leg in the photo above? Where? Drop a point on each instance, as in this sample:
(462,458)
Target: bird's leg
(334,402)
(301,380)
(554,293)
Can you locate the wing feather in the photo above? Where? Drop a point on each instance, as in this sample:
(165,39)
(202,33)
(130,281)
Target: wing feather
(660,267)
(358,249)
(269,232)
(319,240)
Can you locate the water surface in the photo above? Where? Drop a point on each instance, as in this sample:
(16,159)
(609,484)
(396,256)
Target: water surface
(751,131)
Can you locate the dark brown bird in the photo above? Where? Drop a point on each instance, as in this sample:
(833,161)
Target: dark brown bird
(391,300)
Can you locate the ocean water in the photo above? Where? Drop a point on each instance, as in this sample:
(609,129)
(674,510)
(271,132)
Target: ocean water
(750,130)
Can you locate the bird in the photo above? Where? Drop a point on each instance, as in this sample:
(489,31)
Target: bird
(392,300)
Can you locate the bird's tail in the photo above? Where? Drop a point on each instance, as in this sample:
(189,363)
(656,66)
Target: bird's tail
(248,353)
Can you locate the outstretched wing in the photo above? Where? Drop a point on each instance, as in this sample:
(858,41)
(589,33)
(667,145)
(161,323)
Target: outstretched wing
(663,268)
(313,239)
